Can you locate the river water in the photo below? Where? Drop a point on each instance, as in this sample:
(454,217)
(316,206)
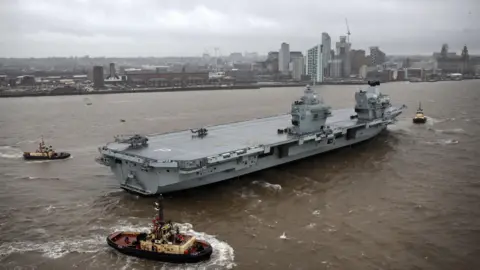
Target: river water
(408,199)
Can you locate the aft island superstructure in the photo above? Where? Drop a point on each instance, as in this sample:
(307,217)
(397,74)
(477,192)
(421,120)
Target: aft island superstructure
(175,161)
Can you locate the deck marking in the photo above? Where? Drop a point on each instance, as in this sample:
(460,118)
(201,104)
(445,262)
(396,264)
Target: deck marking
(163,150)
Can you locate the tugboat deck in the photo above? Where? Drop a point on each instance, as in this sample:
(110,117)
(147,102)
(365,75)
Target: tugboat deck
(225,138)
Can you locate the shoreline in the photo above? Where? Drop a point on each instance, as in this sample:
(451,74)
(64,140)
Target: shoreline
(159,90)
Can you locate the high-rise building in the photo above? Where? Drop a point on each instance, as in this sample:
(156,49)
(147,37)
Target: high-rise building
(327,46)
(314,65)
(98,77)
(336,66)
(296,67)
(358,59)
(284,58)
(236,57)
(272,55)
(294,54)
(251,56)
(377,57)
(305,61)
(343,53)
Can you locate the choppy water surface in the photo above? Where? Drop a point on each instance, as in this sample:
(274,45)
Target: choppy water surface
(408,199)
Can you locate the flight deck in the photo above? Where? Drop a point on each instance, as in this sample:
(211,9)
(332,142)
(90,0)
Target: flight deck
(184,145)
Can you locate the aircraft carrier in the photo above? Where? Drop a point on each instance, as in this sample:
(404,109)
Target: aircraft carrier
(163,163)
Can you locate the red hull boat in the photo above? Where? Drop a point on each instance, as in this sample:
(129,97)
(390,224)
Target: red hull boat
(164,243)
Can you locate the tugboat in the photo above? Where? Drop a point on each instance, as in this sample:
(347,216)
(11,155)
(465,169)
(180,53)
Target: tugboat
(163,243)
(45,153)
(419,118)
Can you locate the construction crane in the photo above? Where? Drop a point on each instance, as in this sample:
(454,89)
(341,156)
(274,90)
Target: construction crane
(217,54)
(348,31)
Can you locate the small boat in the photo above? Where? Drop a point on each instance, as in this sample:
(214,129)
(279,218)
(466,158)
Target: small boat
(45,153)
(87,101)
(419,118)
(163,243)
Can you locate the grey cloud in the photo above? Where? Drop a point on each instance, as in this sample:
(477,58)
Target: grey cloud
(187,27)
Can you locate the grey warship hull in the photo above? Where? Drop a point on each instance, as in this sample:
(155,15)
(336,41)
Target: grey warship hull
(182,160)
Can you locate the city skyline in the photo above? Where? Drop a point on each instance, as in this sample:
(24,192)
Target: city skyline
(56,28)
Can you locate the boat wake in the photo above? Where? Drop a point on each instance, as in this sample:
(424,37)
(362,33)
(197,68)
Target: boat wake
(27,177)
(121,101)
(443,142)
(274,187)
(10,152)
(450,131)
(432,121)
(54,249)
(222,256)
(27,141)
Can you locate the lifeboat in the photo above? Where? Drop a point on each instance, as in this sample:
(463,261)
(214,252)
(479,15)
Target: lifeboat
(419,117)
(163,243)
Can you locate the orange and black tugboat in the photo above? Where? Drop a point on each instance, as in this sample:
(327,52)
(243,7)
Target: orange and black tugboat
(419,117)
(45,153)
(164,243)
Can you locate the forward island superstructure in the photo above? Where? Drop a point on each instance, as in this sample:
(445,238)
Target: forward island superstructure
(175,161)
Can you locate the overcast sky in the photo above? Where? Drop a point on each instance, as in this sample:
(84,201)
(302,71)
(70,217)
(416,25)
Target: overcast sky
(125,28)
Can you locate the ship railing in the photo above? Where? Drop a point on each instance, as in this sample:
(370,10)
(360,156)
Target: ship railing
(149,162)
(223,157)
(127,156)
(188,165)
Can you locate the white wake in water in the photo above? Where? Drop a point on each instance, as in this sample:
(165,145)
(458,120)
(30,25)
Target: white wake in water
(10,152)
(222,256)
(443,142)
(274,187)
(121,101)
(432,121)
(451,131)
(55,249)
